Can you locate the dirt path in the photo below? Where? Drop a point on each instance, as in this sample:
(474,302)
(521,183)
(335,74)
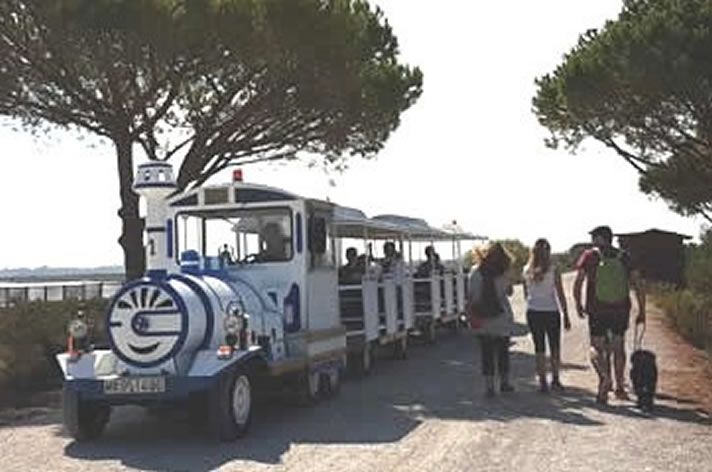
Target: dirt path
(423,414)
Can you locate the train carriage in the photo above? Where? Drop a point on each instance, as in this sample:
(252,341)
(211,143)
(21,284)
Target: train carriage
(381,308)
(438,292)
(376,306)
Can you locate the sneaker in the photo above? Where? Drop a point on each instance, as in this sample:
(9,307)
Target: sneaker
(506,388)
(556,385)
(543,387)
(621,394)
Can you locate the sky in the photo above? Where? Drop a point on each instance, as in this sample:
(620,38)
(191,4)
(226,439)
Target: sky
(469,150)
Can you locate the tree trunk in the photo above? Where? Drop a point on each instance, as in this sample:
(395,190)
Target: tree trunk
(189,170)
(131,239)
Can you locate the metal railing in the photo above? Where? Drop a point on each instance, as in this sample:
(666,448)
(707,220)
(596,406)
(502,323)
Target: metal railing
(19,292)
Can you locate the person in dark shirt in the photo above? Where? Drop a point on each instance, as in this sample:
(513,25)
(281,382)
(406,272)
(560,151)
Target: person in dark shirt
(351,272)
(225,255)
(273,241)
(609,275)
(426,267)
(391,257)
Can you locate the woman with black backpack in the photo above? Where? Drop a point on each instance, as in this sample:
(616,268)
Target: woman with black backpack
(491,315)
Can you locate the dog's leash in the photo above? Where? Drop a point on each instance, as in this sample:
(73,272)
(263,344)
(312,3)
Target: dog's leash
(638,335)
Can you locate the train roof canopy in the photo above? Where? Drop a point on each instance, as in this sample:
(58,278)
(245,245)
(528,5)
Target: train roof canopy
(416,228)
(353,223)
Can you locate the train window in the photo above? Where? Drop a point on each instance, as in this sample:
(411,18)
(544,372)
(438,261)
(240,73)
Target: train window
(321,243)
(242,236)
(317,235)
(216,196)
(188,233)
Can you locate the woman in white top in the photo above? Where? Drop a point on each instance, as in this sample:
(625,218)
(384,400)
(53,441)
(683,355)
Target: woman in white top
(542,288)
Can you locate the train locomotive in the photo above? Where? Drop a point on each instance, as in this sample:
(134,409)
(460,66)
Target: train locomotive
(206,328)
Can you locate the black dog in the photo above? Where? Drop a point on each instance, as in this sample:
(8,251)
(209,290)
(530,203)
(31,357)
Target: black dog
(644,377)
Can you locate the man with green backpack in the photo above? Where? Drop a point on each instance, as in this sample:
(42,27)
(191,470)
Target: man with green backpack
(609,277)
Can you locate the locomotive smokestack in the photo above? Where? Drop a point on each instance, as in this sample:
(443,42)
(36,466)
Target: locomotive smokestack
(154,181)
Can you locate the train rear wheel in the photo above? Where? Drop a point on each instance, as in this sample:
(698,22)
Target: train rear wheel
(364,361)
(430,332)
(400,348)
(331,383)
(309,387)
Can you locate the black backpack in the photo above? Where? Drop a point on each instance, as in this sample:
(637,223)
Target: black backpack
(488,306)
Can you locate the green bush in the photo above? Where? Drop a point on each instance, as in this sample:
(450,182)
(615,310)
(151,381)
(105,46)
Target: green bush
(690,311)
(698,264)
(32,333)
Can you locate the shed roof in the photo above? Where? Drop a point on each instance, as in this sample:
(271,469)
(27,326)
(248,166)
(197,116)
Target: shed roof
(653,231)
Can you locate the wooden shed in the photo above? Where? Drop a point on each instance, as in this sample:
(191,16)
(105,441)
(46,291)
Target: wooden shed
(658,254)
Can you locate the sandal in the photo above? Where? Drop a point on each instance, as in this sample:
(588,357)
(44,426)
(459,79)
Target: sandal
(556,385)
(604,386)
(506,388)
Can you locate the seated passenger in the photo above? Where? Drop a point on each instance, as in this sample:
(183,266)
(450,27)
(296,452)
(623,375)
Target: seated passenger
(439,267)
(225,255)
(426,267)
(274,248)
(391,257)
(431,266)
(351,272)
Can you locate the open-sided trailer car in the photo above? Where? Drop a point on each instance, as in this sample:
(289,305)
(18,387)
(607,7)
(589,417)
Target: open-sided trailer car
(377,311)
(440,296)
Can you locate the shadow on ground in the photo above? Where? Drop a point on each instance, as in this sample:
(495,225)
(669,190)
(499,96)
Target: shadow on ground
(436,382)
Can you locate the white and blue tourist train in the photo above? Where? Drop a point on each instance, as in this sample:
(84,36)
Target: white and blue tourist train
(245,291)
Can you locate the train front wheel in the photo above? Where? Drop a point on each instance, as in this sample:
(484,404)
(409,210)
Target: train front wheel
(231,406)
(83,420)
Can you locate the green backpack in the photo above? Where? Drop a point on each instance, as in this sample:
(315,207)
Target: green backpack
(611,279)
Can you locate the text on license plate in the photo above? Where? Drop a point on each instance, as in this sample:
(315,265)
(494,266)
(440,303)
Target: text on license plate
(135,385)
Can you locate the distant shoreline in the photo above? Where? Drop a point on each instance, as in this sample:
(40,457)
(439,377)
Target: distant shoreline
(58,274)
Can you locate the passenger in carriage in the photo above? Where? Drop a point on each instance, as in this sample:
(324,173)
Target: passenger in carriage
(431,266)
(391,257)
(351,272)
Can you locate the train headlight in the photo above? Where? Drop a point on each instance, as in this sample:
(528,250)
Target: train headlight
(234,320)
(233,324)
(78,329)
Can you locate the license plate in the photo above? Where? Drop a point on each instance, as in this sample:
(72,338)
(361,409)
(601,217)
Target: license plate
(135,385)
